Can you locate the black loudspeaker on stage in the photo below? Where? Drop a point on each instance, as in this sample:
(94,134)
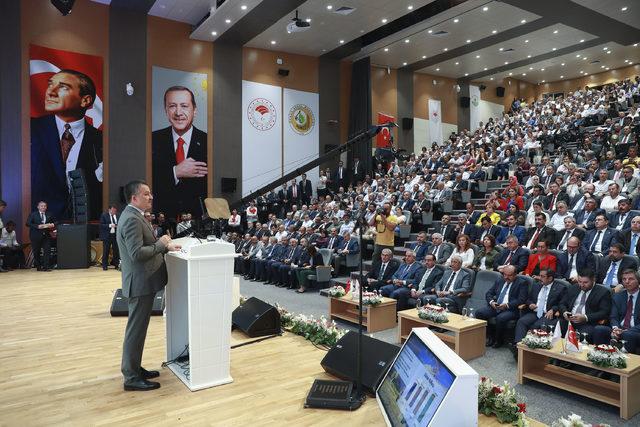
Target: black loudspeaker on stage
(340,361)
(120,305)
(74,249)
(256,318)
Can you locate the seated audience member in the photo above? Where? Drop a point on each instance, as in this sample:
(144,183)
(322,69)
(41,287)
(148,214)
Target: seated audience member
(439,249)
(464,250)
(489,213)
(503,299)
(570,230)
(487,256)
(421,246)
(585,218)
(348,246)
(557,220)
(541,259)
(452,288)
(10,249)
(511,227)
(287,268)
(573,260)
(601,237)
(465,227)
(234,223)
(630,238)
(629,185)
(610,201)
(426,281)
(256,247)
(585,305)
(487,228)
(314,259)
(447,229)
(624,320)
(610,268)
(514,255)
(382,270)
(268,246)
(540,232)
(541,306)
(621,219)
(403,280)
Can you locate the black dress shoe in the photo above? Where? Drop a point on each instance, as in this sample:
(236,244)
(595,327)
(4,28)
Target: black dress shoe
(148,374)
(105,268)
(497,344)
(140,384)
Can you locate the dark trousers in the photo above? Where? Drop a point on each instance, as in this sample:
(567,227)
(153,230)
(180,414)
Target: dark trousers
(107,244)
(502,317)
(13,257)
(41,243)
(602,335)
(135,335)
(399,293)
(530,321)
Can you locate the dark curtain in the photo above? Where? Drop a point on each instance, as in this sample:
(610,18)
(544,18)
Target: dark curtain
(360,111)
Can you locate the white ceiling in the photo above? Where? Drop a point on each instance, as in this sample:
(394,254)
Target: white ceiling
(189,11)
(613,9)
(472,25)
(223,18)
(328,27)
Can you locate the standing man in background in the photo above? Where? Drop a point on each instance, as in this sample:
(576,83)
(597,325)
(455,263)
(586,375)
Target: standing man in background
(41,224)
(144,273)
(108,225)
(385,223)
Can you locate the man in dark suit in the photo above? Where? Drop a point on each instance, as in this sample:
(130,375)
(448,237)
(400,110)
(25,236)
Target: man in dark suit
(513,255)
(540,232)
(421,246)
(600,239)
(347,246)
(585,305)
(293,194)
(63,141)
(179,157)
(422,204)
(570,230)
(624,321)
(339,177)
(425,285)
(382,270)
(40,224)
(406,203)
(503,299)
(403,280)
(542,303)
(143,274)
(439,249)
(485,229)
(305,189)
(357,171)
(108,226)
(276,252)
(621,220)
(586,217)
(573,260)
(447,229)
(452,287)
(512,228)
(610,268)
(630,238)
(464,227)
(555,196)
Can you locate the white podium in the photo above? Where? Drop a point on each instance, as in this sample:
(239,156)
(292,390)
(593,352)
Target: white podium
(198,308)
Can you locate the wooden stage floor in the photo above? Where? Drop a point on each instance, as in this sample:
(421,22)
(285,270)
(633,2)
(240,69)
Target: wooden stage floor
(60,364)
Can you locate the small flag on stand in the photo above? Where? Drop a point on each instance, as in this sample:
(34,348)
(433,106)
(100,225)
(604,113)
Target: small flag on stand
(572,340)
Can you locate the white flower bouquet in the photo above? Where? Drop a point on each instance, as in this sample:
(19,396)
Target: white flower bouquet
(434,313)
(537,338)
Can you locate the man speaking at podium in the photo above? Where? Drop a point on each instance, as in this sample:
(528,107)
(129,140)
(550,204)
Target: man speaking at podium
(144,273)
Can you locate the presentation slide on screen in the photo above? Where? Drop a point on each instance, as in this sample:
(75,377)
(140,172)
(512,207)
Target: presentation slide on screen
(415,386)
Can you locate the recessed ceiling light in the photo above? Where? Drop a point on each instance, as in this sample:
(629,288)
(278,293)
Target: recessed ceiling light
(484,9)
(553,48)
(578,56)
(528,56)
(543,81)
(524,74)
(608,52)
(308,19)
(491,78)
(273,42)
(506,62)
(605,48)
(384,20)
(477,56)
(456,20)
(526,41)
(511,74)
(214,33)
(581,40)
(406,40)
(562,77)
(437,69)
(430,31)
(562,64)
(607,68)
(445,49)
(341,41)
(602,66)
(243,7)
(501,49)
(524,21)
(410,7)
(404,63)
(228,21)
(624,9)
(466,74)
(555,31)
(457,63)
(485,68)
(329,7)
(541,69)
(581,71)
(530,68)
(635,45)
(424,56)
(494,32)
(386,49)
(584,58)
(468,41)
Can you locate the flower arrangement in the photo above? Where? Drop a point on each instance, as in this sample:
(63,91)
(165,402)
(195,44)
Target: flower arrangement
(336,291)
(435,313)
(574,420)
(371,298)
(501,401)
(607,356)
(318,331)
(537,338)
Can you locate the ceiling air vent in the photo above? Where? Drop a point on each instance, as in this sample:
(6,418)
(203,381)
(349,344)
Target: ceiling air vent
(440,33)
(595,61)
(344,10)
(509,50)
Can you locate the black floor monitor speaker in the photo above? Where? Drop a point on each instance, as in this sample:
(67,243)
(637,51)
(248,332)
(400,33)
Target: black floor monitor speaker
(74,250)
(377,356)
(256,318)
(120,305)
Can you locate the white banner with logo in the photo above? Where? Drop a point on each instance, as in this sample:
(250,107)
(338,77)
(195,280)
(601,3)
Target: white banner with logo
(474,107)
(261,135)
(300,132)
(435,122)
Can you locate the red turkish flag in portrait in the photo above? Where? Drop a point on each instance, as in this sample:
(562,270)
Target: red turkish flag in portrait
(572,339)
(45,62)
(384,137)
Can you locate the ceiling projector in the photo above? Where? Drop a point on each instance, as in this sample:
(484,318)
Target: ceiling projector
(297,25)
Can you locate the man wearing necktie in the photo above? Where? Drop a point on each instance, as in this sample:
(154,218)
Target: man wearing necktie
(40,225)
(108,226)
(431,274)
(585,305)
(503,299)
(403,280)
(630,238)
(624,321)
(179,156)
(601,237)
(611,267)
(382,270)
(452,288)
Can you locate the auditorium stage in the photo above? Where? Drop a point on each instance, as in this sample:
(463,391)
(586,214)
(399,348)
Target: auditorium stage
(60,353)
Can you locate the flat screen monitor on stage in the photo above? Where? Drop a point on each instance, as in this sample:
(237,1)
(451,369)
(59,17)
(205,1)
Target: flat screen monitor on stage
(421,389)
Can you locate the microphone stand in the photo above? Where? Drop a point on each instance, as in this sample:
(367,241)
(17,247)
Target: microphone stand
(359,397)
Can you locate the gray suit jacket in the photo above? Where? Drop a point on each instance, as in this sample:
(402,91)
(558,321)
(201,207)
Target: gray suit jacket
(461,285)
(142,255)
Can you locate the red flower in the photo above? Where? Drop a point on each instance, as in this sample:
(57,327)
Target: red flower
(483,379)
(522,407)
(496,390)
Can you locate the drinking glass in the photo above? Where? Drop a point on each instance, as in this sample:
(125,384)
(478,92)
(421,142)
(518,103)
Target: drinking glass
(623,349)
(418,303)
(471,313)
(464,312)
(446,306)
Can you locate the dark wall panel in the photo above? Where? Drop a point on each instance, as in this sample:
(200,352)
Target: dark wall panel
(464,114)
(329,90)
(127,114)
(405,108)
(227,117)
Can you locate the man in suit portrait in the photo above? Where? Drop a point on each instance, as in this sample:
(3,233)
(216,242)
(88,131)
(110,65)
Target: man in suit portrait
(624,321)
(503,299)
(570,230)
(447,229)
(630,238)
(621,219)
(465,227)
(512,228)
(63,141)
(487,228)
(585,218)
(347,246)
(439,249)
(382,270)
(143,274)
(610,268)
(179,157)
(403,280)
(41,223)
(305,189)
(450,290)
(108,226)
(585,305)
(573,260)
(601,237)
(425,287)
(513,255)
(421,246)
(540,232)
